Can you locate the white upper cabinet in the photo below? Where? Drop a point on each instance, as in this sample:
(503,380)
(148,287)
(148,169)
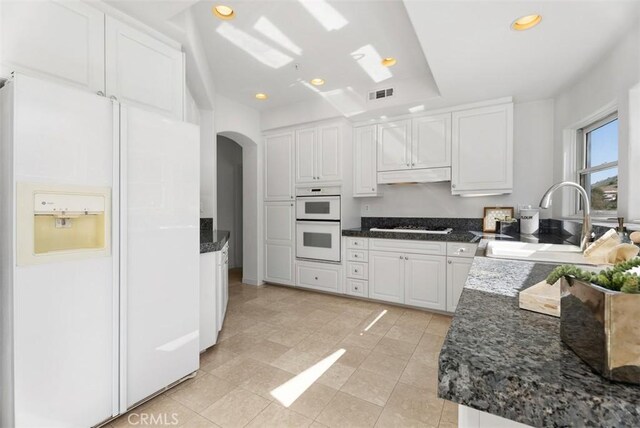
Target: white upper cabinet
(364,162)
(318,155)
(278,167)
(425,281)
(328,153)
(143,71)
(394,145)
(482,150)
(431,141)
(306,155)
(62,41)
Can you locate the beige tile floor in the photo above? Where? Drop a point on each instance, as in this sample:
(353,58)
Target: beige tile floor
(386,378)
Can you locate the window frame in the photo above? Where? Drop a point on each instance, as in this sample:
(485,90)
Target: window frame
(583,171)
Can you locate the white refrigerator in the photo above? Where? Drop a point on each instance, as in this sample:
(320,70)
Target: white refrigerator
(99,247)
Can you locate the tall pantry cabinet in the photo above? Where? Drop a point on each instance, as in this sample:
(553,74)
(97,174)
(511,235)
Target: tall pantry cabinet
(279,208)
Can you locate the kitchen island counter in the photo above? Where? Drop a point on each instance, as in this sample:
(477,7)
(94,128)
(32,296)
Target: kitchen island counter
(212,240)
(512,363)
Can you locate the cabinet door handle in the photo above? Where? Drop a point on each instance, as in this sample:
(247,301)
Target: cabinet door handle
(453,186)
(355,256)
(292,204)
(100,93)
(316,278)
(114,98)
(373,190)
(400,257)
(406,258)
(408,164)
(355,270)
(449,262)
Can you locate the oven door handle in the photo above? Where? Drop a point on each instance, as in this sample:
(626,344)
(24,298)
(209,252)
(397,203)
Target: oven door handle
(320,222)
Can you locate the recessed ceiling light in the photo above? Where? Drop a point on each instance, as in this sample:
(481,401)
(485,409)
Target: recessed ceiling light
(317,81)
(526,22)
(261,96)
(223,12)
(389,61)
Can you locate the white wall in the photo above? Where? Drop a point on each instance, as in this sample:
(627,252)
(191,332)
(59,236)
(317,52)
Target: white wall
(608,82)
(242,125)
(207,165)
(191,111)
(533,174)
(229,177)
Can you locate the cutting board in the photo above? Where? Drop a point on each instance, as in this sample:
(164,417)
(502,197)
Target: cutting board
(542,298)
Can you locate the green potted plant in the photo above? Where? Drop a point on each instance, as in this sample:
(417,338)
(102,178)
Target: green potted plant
(599,317)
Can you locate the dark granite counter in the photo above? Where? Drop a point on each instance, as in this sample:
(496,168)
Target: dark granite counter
(454,236)
(213,240)
(464,230)
(509,362)
(463,236)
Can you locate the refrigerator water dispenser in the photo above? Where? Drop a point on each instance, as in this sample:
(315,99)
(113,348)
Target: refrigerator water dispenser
(58,223)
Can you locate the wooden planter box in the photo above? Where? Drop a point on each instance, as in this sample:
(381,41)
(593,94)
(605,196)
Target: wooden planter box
(603,328)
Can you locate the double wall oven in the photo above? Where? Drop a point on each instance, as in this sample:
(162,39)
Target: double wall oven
(318,224)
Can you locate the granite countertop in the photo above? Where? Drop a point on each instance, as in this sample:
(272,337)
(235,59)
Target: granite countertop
(463,236)
(212,240)
(454,236)
(509,362)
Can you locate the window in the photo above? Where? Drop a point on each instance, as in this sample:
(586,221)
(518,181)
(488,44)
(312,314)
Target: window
(598,165)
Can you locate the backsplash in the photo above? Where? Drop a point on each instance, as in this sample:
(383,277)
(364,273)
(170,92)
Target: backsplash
(206,223)
(425,222)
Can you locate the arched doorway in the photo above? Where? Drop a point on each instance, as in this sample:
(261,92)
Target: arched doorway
(248,239)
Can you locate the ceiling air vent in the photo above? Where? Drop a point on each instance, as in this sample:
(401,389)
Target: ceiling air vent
(380,94)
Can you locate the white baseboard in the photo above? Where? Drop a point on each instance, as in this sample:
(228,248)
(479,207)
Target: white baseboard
(252,281)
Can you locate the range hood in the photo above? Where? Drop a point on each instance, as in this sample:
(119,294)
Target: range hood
(415,176)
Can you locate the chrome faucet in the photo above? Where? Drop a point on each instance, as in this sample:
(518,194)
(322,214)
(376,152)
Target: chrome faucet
(586,236)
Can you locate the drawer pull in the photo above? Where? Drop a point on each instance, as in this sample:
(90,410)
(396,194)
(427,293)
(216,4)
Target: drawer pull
(316,278)
(355,270)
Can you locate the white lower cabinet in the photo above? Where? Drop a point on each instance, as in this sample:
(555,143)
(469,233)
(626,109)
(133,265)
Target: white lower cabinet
(425,283)
(208,297)
(357,287)
(279,242)
(386,276)
(319,276)
(412,279)
(457,272)
(425,274)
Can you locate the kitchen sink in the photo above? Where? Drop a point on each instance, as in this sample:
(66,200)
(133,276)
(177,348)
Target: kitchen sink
(554,253)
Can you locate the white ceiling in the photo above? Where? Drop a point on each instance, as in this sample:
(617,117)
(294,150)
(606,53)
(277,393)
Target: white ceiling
(471,52)
(474,55)
(317,46)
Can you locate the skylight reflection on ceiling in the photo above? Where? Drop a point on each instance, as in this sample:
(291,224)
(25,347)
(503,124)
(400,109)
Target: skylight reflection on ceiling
(325,14)
(254,47)
(347,102)
(369,59)
(269,30)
